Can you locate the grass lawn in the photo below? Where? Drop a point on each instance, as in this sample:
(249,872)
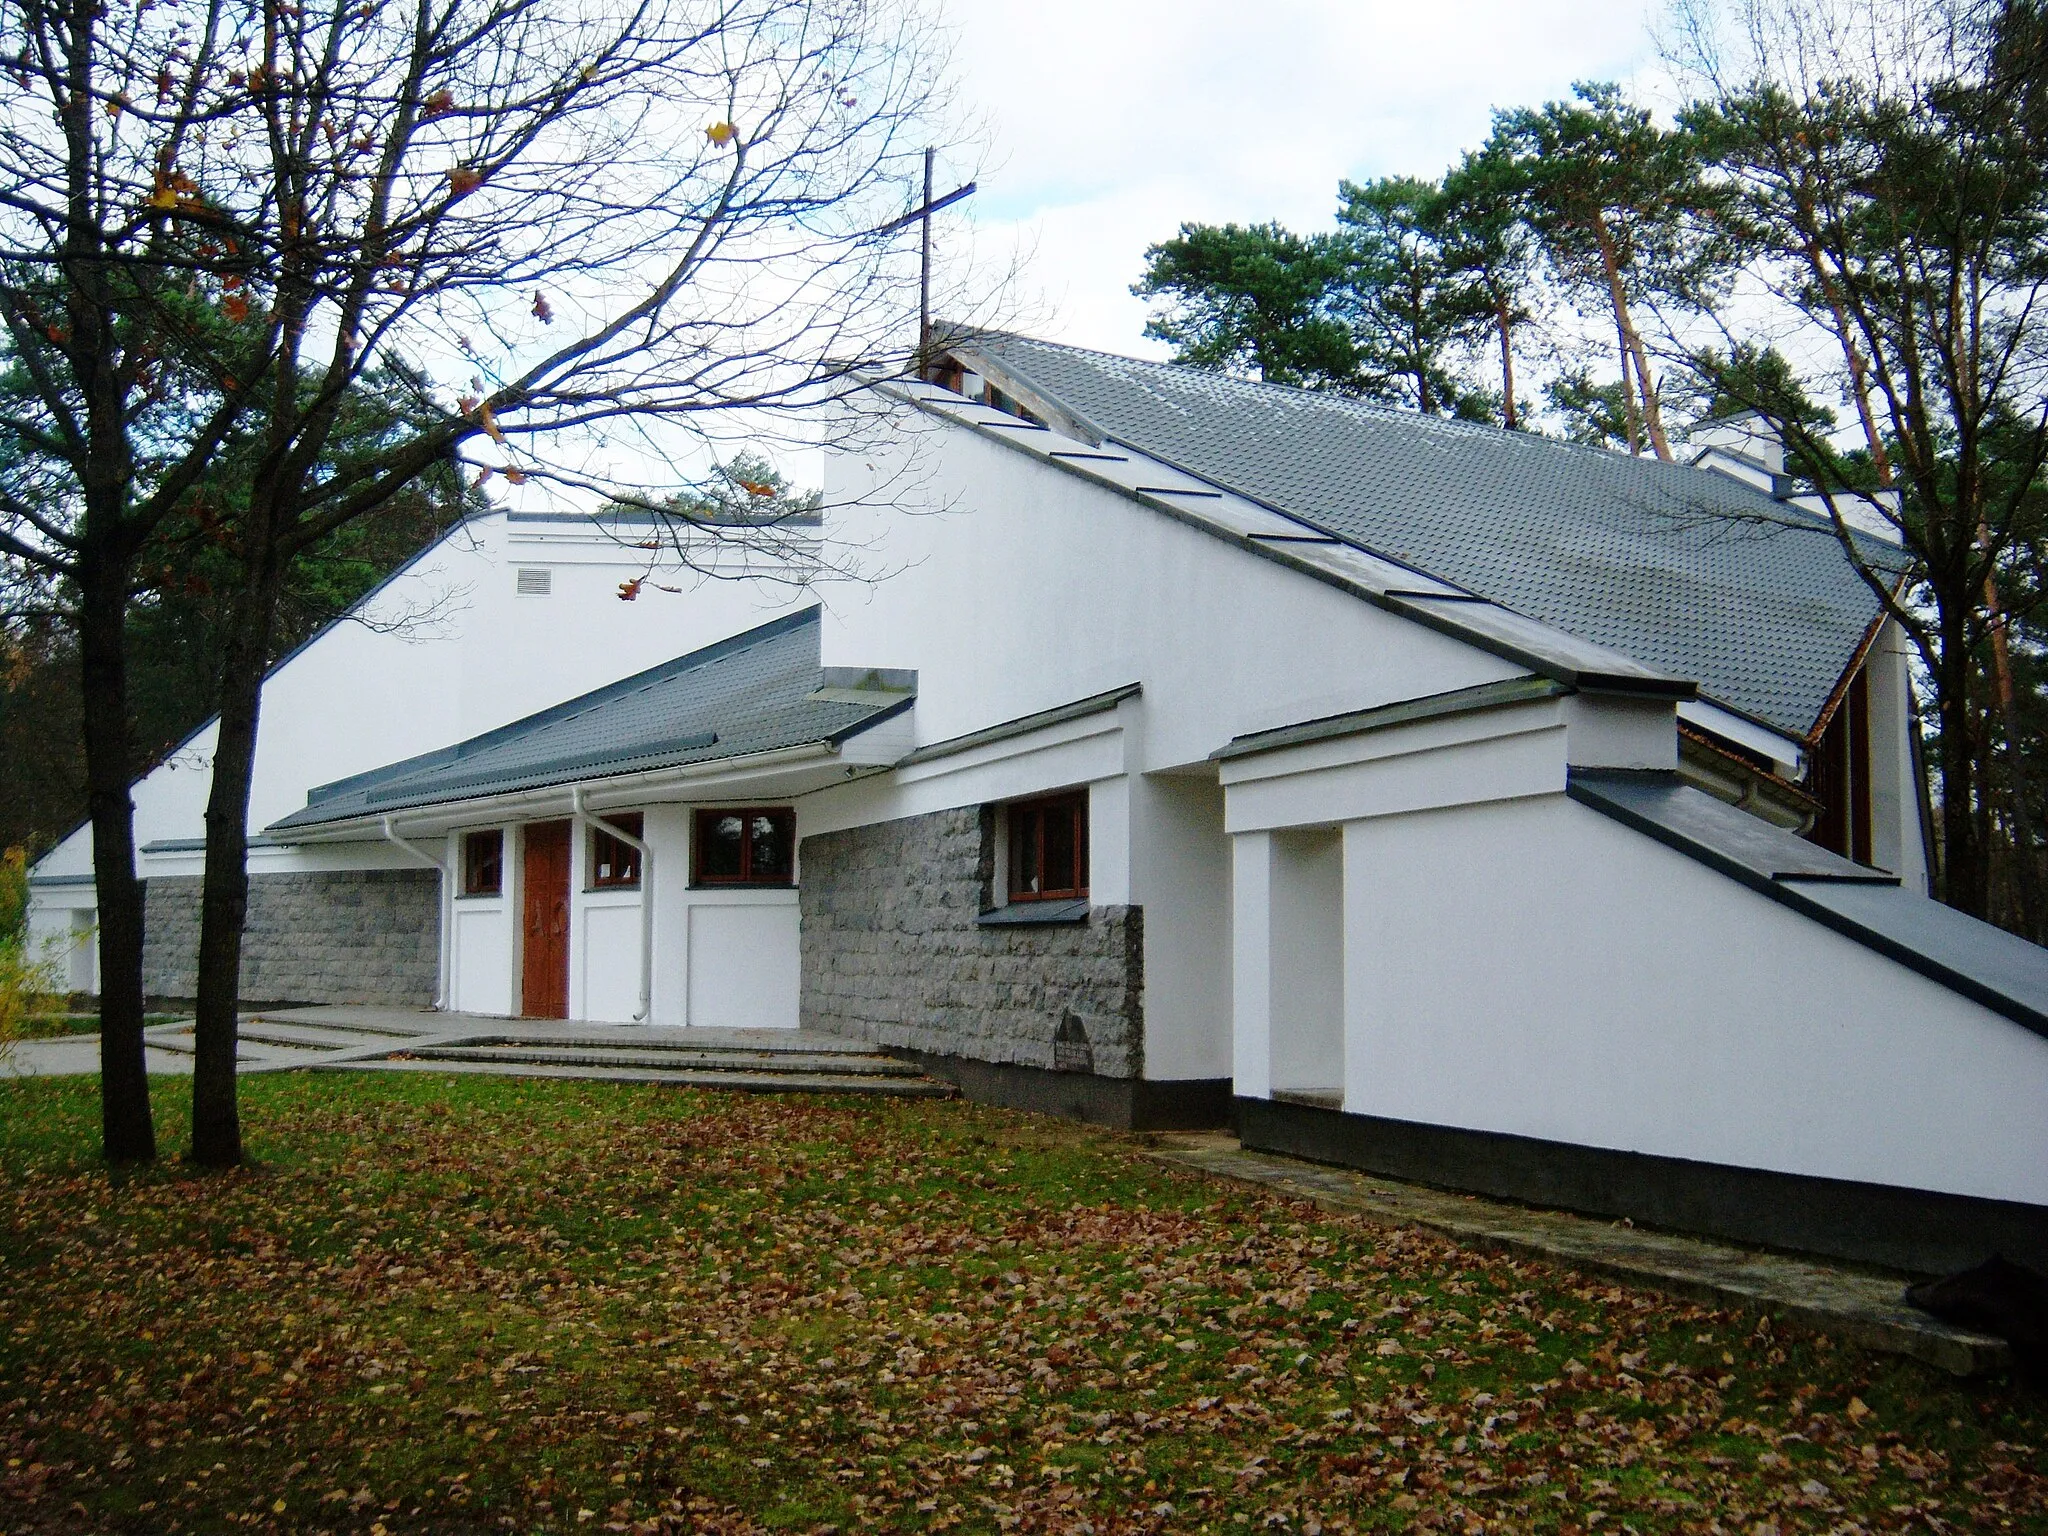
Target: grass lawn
(481,1305)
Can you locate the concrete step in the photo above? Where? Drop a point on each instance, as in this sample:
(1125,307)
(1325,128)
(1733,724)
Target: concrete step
(663,1037)
(318,1036)
(372,1024)
(783,1062)
(246,1048)
(738,1082)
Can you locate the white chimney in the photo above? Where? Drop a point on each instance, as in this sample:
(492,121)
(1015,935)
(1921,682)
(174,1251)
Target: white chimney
(1744,445)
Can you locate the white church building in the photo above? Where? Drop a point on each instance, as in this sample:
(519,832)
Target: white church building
(1464,805)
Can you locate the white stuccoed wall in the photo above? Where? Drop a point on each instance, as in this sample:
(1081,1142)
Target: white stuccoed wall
(1532,966)
(468,654)
(1018,588)
(723,957)
(1516,962)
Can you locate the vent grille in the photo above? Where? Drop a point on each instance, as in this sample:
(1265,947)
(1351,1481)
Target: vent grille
(536,581)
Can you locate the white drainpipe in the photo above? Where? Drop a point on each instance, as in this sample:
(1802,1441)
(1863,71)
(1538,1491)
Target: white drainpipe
(582,820)
(447,904)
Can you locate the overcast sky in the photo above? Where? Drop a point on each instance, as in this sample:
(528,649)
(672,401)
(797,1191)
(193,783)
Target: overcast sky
(1109,122)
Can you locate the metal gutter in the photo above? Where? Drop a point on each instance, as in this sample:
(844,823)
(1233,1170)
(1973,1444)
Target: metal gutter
(548,798)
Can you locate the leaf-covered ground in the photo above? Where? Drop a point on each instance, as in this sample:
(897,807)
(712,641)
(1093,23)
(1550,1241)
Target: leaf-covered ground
(484,1305)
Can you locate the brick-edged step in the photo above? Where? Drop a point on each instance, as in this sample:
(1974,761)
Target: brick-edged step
(732,1081)
(182,1043)
(319,1036)
(671,1059)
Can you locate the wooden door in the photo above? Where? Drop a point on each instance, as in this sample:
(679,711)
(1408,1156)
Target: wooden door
(544,991)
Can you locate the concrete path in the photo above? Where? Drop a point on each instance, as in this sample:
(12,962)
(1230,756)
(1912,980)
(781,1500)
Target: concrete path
(78,1055)
(408,1040)
(1856,1306)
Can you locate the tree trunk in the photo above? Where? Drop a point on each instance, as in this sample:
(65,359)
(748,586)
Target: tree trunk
(127,1132)
(1507,368)
(1631,419)
(1632,347)
(1965,877)
(224,900)
(2025,881)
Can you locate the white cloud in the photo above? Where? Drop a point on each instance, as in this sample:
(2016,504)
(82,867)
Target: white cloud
(1112,121)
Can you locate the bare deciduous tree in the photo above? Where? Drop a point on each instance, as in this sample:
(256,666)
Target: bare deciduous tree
(612,220)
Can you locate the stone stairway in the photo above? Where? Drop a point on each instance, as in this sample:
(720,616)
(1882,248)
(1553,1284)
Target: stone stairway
(397,1040)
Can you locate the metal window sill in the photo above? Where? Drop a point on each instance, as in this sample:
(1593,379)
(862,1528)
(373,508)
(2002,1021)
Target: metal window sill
(1033,914)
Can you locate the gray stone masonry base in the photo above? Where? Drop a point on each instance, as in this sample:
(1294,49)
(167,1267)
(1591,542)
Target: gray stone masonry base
(332,936)
(892,953)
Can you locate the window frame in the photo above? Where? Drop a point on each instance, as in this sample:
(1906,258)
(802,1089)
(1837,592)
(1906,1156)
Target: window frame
(785,817)
(634,825)
(472,864)
(1032,813)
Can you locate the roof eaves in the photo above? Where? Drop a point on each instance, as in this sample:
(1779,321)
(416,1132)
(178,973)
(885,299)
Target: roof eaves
(1023,725)
(1358,722)
(368,816)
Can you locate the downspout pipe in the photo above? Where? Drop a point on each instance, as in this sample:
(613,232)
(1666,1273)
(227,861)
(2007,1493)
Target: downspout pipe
(582,820)
(447,902)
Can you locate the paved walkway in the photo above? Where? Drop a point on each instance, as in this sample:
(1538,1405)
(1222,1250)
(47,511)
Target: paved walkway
(416,1040)
(1855,1306)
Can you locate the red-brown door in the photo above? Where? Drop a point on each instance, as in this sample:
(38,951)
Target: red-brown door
(545,983)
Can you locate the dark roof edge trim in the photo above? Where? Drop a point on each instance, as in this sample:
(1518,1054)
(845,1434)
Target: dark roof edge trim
(1444,623)
(846,733)
(45,882)
(1359,722)
(1787,892)
(1023,725)
(512,794)
(198,844)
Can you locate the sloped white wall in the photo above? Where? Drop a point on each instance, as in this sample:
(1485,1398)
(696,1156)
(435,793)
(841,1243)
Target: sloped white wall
(1533,967)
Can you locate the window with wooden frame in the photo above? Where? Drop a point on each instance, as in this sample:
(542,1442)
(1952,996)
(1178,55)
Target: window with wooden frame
(615,862)
(483,863)
(1049,848)
(751,846)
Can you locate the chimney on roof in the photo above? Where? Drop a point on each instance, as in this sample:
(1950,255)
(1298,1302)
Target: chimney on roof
(1748,448)
(1743,445)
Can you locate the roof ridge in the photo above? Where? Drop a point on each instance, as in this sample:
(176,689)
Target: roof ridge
(1791,516)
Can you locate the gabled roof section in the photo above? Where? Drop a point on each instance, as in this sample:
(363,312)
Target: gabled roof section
(752,693)
(1689,572)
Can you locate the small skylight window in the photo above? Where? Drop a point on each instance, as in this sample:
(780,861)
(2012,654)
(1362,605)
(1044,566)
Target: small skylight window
(535,581)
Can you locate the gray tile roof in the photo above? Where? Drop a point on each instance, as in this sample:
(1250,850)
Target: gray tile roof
(744,695)
(1683,569)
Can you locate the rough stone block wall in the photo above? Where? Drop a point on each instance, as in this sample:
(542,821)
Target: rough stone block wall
(892,954)
(335,936)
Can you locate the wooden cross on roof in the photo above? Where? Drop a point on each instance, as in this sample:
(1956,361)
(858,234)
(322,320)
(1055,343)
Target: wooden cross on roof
(923,214)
